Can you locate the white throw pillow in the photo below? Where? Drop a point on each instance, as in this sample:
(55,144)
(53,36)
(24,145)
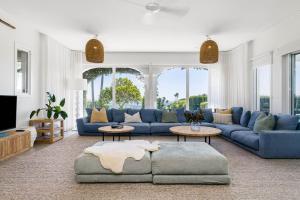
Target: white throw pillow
(222,118)
(132,118)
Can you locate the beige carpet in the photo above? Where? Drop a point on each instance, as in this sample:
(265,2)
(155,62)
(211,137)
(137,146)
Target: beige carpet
(46,172)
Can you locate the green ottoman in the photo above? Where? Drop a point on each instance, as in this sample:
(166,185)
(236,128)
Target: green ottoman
(189,163)
(88,169)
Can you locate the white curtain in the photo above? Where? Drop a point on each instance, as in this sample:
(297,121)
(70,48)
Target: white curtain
(238,75)
(217,83)
(56,72)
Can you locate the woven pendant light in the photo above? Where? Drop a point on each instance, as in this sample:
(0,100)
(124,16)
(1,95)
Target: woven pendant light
(209,52)
(94,51)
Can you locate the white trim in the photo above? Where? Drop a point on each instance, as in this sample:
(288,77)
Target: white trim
(22,47)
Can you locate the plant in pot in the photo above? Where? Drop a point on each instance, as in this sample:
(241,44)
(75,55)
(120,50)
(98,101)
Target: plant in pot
(195,118)
(52,109)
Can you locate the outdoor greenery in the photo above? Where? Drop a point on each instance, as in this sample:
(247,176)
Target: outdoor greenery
(196,102)
(52,109)
(126,92)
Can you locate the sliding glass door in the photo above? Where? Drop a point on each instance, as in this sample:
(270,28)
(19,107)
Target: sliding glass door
(295,74)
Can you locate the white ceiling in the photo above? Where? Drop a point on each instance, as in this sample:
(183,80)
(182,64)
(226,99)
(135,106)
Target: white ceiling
(121,27)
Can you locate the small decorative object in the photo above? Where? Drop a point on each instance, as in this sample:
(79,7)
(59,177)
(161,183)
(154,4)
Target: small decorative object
(52,110)
(94,51)
(195,119)
(117,126)
(209,52)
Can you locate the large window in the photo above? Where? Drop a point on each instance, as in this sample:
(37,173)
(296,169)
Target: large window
(177,85)
(119,88)
(171,89)
(295,84)
(129,88)
(198,88)
(263,88)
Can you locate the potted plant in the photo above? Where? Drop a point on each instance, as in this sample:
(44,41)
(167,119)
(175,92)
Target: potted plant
(52,109)
(195,118)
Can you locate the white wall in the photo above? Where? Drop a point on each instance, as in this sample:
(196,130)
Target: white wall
(28,37)
(282,39)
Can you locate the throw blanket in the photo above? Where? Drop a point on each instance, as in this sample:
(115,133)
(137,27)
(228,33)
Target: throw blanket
(33,134)
(113,155)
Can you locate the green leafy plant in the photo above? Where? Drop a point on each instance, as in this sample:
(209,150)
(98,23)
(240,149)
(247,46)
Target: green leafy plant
(52,109)
(194,116)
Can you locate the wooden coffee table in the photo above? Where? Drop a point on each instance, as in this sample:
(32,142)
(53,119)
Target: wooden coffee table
(204,131)
(113,131)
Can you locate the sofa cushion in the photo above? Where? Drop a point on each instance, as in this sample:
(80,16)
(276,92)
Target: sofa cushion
(99,116)
(148,115)
(247,138)
(253,117)
(180,115)
(298,127)
(118,115)
(228,129)
(140,128)
(90,164)
(236,114)
(133,118)
(93,127)
(158,115)
(245,118)
(188,158)
(162,127)
(220,118)
(286,122)
(169,117)
(208,115)
(108,113)
(264,122)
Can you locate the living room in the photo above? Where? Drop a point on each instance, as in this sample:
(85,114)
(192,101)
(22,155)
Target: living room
(158,99)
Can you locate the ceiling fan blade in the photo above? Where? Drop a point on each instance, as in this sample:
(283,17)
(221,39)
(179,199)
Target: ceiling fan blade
(175,11)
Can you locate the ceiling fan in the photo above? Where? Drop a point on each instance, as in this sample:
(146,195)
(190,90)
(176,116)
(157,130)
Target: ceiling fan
(154,7)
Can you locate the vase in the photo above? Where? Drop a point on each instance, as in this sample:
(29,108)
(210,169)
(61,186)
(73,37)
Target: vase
(195,126)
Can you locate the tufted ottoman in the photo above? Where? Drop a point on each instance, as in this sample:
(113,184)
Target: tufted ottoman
(189,163)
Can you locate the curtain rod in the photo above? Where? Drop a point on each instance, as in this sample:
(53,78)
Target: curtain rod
(7,24)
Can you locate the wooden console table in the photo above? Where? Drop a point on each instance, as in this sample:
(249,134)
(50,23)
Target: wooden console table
(15,143)
(48,130)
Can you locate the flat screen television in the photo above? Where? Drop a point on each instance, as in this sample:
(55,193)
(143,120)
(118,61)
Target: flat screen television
(8,116)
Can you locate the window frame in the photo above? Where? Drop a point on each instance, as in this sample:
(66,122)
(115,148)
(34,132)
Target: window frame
(292,81)
(19,47)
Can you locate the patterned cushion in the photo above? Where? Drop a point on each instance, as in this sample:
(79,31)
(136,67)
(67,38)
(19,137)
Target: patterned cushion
(222,118)
(132,118)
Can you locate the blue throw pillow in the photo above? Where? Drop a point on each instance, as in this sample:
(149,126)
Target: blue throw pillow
(245,118)
(208,115)
(286,122)
(158,115)
(118,115)
(252,120)
(148,115)
(298,127)
(236,114)
(180,115)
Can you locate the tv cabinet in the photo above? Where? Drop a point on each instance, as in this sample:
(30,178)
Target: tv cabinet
(15,143)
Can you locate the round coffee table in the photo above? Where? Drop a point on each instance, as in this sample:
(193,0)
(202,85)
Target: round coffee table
(203,132)
(113,131)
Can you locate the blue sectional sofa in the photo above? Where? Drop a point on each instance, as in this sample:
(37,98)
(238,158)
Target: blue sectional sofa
(282,142)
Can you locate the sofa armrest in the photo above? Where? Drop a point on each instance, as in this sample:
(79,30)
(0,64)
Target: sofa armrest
(279,144)
(80,124)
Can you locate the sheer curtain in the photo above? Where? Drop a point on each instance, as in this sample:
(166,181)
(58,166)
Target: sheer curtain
(217,83)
